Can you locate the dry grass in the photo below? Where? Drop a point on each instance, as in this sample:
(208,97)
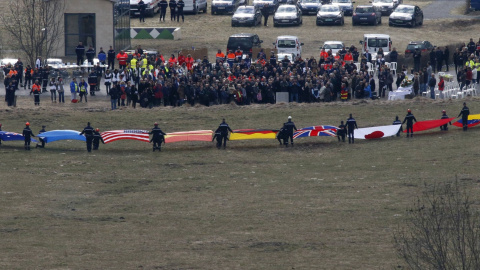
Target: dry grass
(320,205)
(212,32)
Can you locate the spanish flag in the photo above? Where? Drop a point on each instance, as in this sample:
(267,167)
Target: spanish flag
(251,134)
(183,136)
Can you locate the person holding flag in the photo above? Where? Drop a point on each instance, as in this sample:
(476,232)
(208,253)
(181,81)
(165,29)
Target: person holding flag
(289,126)
(351,125)
(398,122)
(97,137)
(88,133)
(224,128)
(464,113)
(342,129)
(409,118)
(41,140)
(157,138)
(27,134)
(445,116)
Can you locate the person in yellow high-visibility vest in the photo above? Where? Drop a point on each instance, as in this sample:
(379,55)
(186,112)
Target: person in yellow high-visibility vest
(133,62)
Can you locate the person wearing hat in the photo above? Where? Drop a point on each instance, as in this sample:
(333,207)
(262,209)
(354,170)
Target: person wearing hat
(97,137)
(88,131)
(224,128)
(157,138)
(352,125)
(289,126)
(464,113)
(398,122)
(41,140)
(409,118)
(27,134)
(445,116)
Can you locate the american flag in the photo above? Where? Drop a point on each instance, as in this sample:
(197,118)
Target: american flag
(316,131)
(126,134)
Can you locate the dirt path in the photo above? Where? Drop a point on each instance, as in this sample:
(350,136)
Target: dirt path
(444,9)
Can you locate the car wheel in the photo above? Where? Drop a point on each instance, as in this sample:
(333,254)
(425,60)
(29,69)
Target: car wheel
(233,25)
(301,21)
(380,22)
(414,23)
(275,25)
(375,22)
(421,21)
(342,22)
(195,11)
(353,23)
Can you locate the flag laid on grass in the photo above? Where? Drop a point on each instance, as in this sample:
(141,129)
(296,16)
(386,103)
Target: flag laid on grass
(250,134)
(125,134)
(315,131)
(376,132)
(57,135)
(473,120)
(195,135)
(429,124)
(12,136)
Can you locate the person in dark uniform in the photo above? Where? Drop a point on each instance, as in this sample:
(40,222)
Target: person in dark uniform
(409,118)
(97,138)
(172,5)
(273,59)
(141,8)
(265,14)
(464,113)
(289,126)
(41,140)
(351,126)
(282,135)
(445,116)
(398,122)
(341,131)
(224,129)
(111,58)
(27,134)
(157,138)
(180,6)
(218,136)
(92,82)
(80,51)
(163,9)
(90,54)
(88,131)
(28,77)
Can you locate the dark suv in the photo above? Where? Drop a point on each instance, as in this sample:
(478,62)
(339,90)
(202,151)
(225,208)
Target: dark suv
(367,15)
(423,46)
(246,42)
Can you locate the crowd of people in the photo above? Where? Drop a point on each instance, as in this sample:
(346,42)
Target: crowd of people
(155,80)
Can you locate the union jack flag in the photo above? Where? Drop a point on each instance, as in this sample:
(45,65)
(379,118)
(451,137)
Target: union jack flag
(315,131)
(127,134)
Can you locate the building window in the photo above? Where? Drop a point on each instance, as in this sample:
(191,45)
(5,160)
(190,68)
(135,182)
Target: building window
(121,24)
(79,27)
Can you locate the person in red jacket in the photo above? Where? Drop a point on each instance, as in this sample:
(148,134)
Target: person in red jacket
(348,57)
(441,87)
(172,61)
(122,58)
(189,61)
(181,59)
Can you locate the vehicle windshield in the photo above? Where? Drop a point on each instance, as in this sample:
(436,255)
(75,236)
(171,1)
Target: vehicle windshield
(378,42)
(286,43)
(408,10)
(340,1)
(245,10)
(413,47)
(333,46)
(329,9)
(311,1)
(364,10)
(382,1)
(235,42)
(284,9)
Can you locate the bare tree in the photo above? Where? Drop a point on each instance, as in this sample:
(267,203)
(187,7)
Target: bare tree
(34,26)
(441,231)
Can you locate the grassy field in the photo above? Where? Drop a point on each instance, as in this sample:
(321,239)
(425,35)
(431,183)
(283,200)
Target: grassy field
(319,205)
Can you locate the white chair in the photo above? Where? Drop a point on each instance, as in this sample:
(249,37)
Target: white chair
(358,66)
(371,69)
(393,67)
(441,73)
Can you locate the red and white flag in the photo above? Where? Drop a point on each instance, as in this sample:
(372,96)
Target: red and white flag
(376,132)
(126,134)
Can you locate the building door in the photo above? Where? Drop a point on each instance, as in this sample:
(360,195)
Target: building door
(79,27)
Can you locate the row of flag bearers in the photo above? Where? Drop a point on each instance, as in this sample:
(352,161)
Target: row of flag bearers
(93,137)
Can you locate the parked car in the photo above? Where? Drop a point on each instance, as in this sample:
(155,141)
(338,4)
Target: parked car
(345,5)
(406,15)
(272,5)
(373,42)
(151,7)
(386,6)
(287,15)
(288,45)
(423,46)
(224,6)
(4,62)
(194,6)
(330,14)
(366,15)
(245,41)
(335,46)
(310,6)
(246,15)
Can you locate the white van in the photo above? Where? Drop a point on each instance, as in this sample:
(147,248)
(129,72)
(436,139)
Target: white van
(373,42)
(194,6)
(288,45)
